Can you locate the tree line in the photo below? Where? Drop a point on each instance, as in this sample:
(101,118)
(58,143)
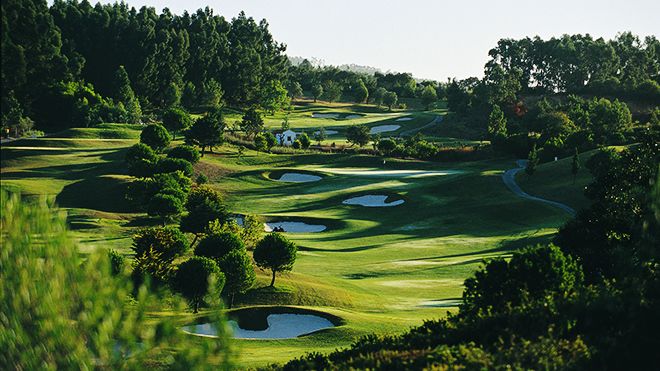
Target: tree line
(77,64)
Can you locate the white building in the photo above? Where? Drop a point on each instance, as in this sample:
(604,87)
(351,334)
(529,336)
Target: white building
(286,138)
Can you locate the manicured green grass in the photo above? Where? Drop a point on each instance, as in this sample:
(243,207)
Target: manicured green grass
(382,270)
(554,181)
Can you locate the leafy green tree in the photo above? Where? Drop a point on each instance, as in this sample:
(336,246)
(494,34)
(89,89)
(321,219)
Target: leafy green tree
(275,97)
(379,95)
(184,152)
(218,244)
(575,165)
(206,132)
(532,161)
(387,146)
(140,160)
(497,122)
(358,134)
(156,137)
(275,252)
(155,249)
(332,91)
(271,141)
(172,96)
(50,320)
(124,94)
(296,144)
(361,93)
(260,142)
(212,94)
(193,278)
(609,120)
(252,231)
(532,274)
(305,142)
(390,99)
(429,96)
(320,135)
(170,165)
(295,90)
(239,271)
(252,122)
(176,120)
(189,96)
(317,92)
(203,206)
(117,262)
(165,206)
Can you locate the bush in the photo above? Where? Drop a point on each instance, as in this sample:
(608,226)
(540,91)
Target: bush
(171,165)
(176,119)
(202,179)
(387,146)
(156,137)
(185,152)
(193,277)
(117,261)
(215,246)
(140,160)
(297,144)
(204,205)
(305,142)
(155,249)
(165,205)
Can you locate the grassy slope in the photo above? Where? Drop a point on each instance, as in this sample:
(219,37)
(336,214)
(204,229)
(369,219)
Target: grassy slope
(376,268)
(554,181)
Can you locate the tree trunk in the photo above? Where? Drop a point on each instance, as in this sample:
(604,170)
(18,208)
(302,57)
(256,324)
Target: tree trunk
(203,147)
(194,240)
(231,300)
(272,282)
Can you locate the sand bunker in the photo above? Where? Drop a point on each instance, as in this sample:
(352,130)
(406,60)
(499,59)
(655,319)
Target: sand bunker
(298,178)
(404,119)
(390,173)
(317,115)
(372,201)
(327,132)
(294,227)
(383,129)
(351,117)
(280,326)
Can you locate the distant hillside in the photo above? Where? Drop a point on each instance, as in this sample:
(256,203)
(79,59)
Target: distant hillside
(346,67)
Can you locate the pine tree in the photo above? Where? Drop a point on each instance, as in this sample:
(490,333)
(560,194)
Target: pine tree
(124,94)
(532,161)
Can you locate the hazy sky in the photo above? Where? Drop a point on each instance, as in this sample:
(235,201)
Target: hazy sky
(431,39)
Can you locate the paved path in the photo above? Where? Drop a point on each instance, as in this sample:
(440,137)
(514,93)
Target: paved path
(436,120)
(509,178)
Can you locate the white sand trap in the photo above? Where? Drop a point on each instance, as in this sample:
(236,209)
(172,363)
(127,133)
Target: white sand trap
(280,326)
(298,178)
(383,129)
(295,227)
(327,132)
(446,303)
(351,117)
(390,173)
(372,201)
(317,115)
(404,119)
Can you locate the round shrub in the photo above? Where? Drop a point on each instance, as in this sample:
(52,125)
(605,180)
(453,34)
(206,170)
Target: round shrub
(156,137)
(170,165)
(184,152)
(217,245)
